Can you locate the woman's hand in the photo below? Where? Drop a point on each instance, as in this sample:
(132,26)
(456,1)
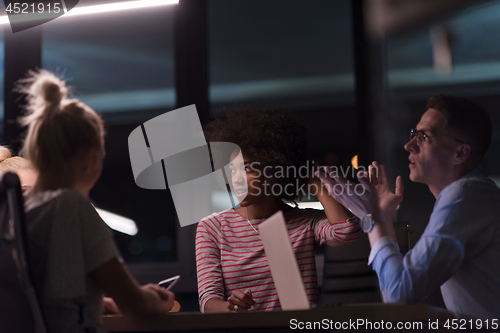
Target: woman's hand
(167,297)
(360,199)
(313,182)
(133,300)
(109,306)
(371,196)
(240,301)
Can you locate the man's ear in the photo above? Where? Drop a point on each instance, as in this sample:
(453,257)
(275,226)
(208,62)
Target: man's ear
(462,153)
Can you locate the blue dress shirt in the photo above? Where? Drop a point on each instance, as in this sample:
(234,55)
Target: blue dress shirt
(459,251)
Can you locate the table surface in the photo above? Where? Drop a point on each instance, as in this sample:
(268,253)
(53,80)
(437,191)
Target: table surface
(193,321)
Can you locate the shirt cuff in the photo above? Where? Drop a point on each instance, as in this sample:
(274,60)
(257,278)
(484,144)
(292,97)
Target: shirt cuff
(202,307)
(381,243)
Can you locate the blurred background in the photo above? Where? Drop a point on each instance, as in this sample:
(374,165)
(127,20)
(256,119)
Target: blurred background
(356,73)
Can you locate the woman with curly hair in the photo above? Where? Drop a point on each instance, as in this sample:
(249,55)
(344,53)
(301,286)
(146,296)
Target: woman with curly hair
(233,273)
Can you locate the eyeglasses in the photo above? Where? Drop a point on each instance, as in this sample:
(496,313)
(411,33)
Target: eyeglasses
(421,137)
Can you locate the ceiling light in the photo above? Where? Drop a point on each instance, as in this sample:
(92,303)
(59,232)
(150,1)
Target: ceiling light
(117,222)
(116,6)
(103,8)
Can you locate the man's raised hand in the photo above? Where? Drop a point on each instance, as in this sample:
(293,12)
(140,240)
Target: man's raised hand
(388,201)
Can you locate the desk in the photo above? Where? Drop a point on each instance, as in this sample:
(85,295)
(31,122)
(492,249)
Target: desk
(278,321)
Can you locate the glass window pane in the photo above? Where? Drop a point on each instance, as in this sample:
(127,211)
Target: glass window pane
(2,73)
(121,64)
(285,52)
(475,50)
(120,61)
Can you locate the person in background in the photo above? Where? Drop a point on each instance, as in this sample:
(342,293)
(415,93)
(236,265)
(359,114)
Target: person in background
(19,165)
(72,252)
(27,177)
(459,248)
(233,273)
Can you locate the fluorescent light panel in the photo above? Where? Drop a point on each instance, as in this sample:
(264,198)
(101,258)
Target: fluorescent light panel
(311,204)
(109,7)
(116,6)
(117,222)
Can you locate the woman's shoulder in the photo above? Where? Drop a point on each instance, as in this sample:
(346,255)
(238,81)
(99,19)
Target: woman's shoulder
(221,219)
(65,198)
(213,223)
(299,213)
(220,216)
(60,212)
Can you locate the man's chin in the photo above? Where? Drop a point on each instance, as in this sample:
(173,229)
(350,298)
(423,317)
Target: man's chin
(415,178)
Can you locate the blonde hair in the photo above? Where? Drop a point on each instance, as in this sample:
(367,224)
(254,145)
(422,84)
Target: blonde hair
(5,153)
(59,129)
(12,164)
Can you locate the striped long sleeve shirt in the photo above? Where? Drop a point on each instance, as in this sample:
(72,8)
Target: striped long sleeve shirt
(230,255)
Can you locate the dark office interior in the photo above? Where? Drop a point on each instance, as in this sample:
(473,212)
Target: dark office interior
(357,93)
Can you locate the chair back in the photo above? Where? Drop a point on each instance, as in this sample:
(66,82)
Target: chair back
(403,232)
(347,278)
(18,235)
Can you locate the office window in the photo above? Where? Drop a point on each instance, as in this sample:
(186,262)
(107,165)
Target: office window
(2,72)
(118,62)
(475,54)
(286,53)
(121,64)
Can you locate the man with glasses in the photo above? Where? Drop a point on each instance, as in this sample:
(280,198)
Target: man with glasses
(459,250)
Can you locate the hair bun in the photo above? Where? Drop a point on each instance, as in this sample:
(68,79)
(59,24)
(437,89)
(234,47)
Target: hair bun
(49,87)
(44,94)
(44,85)
(52,92)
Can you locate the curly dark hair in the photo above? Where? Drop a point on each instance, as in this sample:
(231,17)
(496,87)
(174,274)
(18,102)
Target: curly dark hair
(269,136)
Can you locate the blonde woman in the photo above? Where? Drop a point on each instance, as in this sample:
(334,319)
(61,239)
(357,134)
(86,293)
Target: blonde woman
(73,254)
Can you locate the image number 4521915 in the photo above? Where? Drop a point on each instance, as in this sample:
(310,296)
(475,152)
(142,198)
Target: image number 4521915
(32,8)
(26,14)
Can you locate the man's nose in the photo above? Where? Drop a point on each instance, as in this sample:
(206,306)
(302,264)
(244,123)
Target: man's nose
(412,145)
